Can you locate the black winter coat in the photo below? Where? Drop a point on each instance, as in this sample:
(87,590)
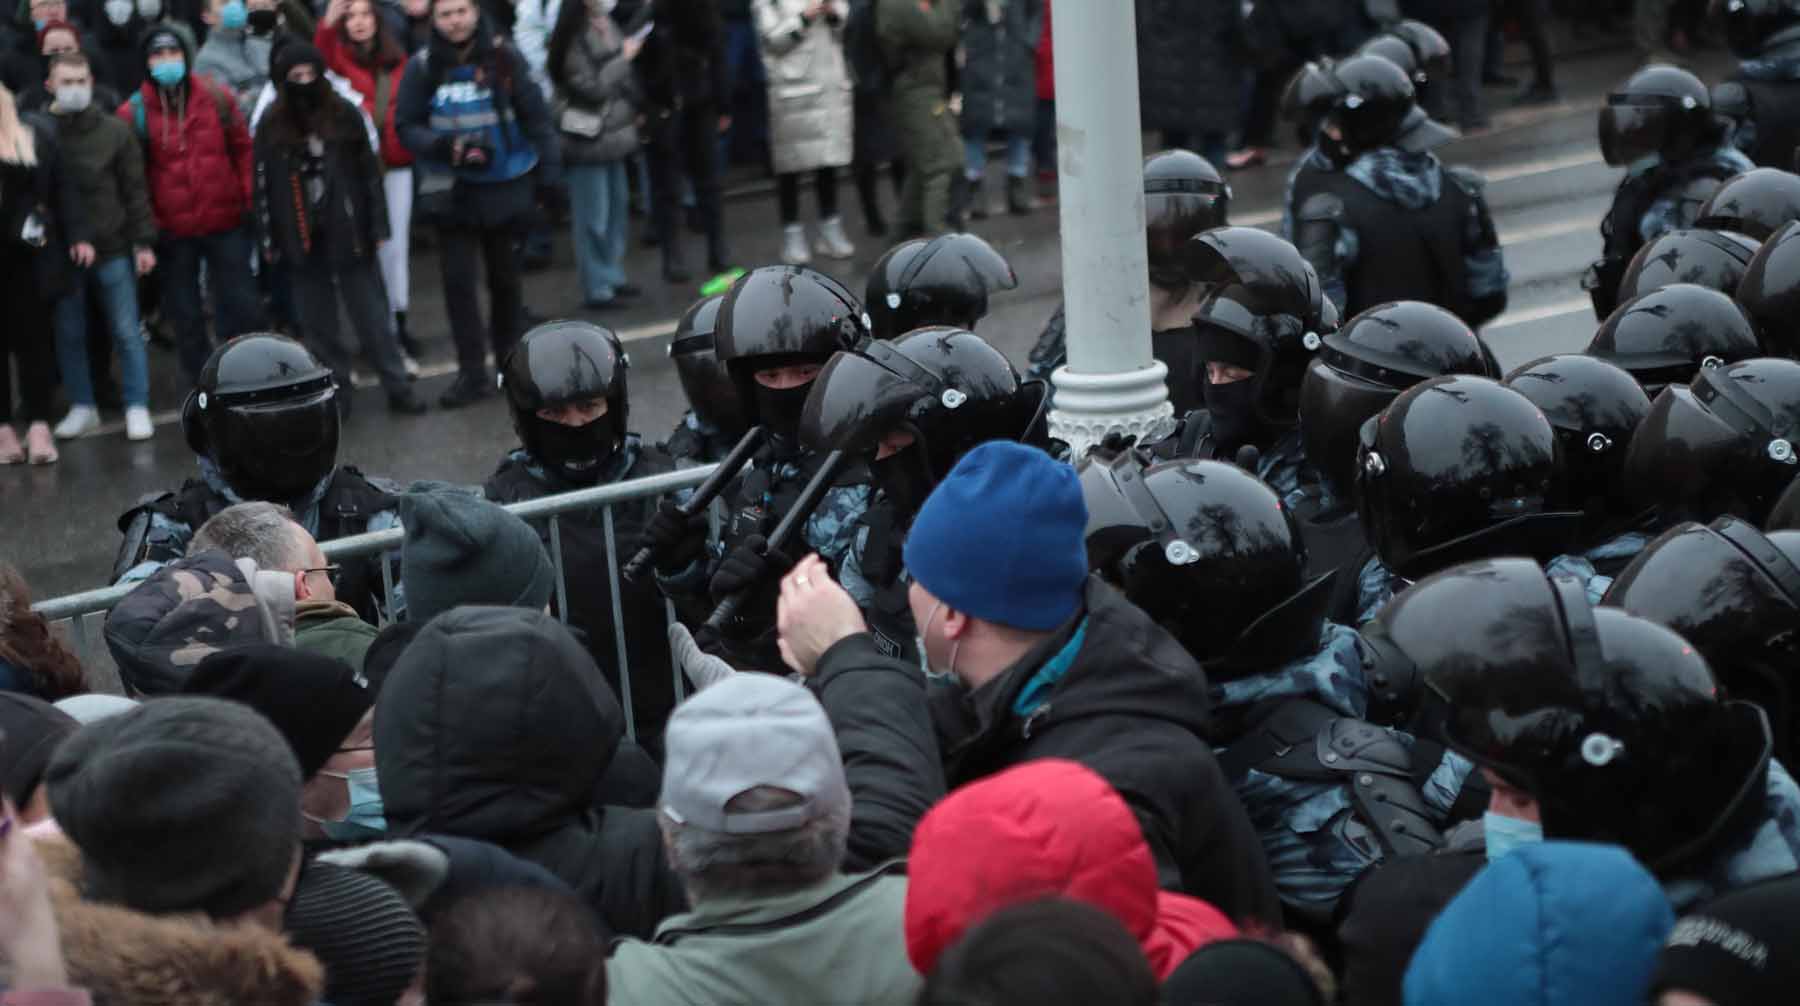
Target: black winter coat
(999,76)
(346,227)
(57,201)
(1133,707)
(1190,66)
(507,743)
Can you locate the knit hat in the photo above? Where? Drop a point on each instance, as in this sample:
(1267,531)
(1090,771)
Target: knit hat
(1241,973)
(294,51)
(1003,538)
(1742,948)
(461,549)
(361,929)
(31,729)
(315,701)
(180,805)
(184,612)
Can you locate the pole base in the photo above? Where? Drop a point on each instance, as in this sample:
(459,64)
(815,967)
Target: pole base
(1091,407)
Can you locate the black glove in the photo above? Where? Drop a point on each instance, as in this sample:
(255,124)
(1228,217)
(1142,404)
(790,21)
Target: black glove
(748,565)
(674,538)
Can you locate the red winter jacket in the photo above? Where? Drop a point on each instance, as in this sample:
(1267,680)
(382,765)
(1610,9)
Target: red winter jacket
(197,157)
(1046,61)
(341,61)
(1047,828)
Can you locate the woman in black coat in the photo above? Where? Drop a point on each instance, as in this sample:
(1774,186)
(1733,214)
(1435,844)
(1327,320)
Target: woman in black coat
(322,212)
(999,89)
(1190,72)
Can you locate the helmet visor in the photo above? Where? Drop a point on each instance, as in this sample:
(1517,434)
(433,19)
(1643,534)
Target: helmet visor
(278,450)
(1677,449)
(853,402)
(1333,407)
(1630,132)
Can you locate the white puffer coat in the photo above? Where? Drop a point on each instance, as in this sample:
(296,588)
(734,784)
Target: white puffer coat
(811,104)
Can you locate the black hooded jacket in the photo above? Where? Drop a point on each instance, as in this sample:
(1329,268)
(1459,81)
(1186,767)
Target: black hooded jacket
(496,725)
(1132,705)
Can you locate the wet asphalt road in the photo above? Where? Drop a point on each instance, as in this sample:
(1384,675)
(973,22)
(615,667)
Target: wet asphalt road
(1547,186)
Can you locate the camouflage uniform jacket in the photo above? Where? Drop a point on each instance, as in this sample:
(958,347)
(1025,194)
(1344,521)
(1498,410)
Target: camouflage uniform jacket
(1771,849)
(1295,818)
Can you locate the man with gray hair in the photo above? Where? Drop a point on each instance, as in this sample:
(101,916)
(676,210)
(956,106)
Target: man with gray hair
(268,535)
(755,817)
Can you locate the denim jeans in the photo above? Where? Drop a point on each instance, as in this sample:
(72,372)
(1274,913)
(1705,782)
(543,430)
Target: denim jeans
(235,306)
(599,206)
(1018,155)
(116,280)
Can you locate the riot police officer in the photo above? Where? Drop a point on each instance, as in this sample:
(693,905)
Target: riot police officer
(1755,204)
(1659,126)
(714,419)
(776,328)
(945,280)
(565,385)
(1723,444)
(1734,592)
(1770,292)
(1395,224)
(1255,332)
(1310,95)
(1457,468)
(1668,335)
(1765,36)
(1424,53)
(1714,259)
(910,409)
(1599,725)
(1183,196)
(263,425)
(1594,407)
(1213,556)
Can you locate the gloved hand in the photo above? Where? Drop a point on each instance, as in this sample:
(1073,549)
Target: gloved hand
(674,538)
(702,669)
(748,565)
(415,869)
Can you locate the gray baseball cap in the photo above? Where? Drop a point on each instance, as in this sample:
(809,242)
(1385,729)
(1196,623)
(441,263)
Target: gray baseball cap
(751,730)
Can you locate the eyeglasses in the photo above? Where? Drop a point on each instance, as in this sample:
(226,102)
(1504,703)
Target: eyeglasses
(331,572)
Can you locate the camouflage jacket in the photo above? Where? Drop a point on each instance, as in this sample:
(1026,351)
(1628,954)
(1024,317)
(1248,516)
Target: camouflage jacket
(1377,585)
(1678,206)
(1771,849)
(1295,818)
(1288,472)
(183,612)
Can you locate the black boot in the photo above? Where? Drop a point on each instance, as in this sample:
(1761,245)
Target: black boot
(975,200)
(674,269)
(1018,196)
(408,344)
(718,256)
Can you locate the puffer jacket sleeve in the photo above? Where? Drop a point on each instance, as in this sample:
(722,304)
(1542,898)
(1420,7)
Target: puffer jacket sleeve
(535,119)
(779,25)
(878,710)
(412,113)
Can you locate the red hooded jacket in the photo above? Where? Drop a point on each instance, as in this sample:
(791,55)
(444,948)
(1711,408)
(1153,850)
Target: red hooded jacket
(1048,828)
(197,156)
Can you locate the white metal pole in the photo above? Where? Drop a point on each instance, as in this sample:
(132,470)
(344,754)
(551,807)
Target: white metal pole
(1111,382)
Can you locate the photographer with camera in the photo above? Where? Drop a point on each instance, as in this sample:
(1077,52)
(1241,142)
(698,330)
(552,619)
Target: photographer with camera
(478,128)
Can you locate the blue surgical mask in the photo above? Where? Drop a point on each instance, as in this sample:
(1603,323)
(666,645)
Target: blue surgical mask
(234,15)
(367,818)
(1504,834)
(39,23)
(170,73)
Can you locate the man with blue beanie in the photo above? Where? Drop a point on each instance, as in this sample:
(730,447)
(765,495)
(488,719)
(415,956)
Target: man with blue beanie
(1028,657)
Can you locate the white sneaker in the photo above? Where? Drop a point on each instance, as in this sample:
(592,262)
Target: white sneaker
(137,423)
(833,242)
(793,245)
(81,419)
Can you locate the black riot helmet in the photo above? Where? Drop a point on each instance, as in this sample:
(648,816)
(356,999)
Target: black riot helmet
(1770,291)
(1359,369)
(1755,204)
(1785,515)
(1183,195)
(1459,468)
(1668,335)
(1724,444)
(1750,24)
(783,315)
(709,389)
(945,386)
(1395,50)
(1661,110)
(1266,313)
(1208,551)
(1733,592)
(563,363)
(943,280)
(1431,50)
(1716,260)
(1310,95)
(1594,407)
(265,413)
(1378,107)
(1611,721)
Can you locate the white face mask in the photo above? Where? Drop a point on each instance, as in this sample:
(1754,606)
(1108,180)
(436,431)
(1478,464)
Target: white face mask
(925,661)
(119,11)
(72,98)
(150,9)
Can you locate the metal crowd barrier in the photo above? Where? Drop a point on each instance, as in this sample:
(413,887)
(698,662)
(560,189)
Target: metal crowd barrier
(72,611)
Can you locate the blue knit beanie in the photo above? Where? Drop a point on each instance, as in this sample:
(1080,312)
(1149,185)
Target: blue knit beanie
(1002,538)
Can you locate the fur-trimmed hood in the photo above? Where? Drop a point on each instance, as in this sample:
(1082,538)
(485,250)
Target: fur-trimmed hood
(126,958)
